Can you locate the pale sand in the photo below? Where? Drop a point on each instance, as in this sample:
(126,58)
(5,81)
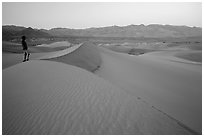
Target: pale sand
(9,47)
(87,56)
(118,48)
(10,59)
(182,56)
(54,54)
(45,97)
(170,86)
(56,44)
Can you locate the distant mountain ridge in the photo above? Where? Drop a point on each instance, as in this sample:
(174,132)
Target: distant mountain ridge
(13,32)
(149,31)
(156,31)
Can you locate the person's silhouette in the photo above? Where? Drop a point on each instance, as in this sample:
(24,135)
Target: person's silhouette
(25,49)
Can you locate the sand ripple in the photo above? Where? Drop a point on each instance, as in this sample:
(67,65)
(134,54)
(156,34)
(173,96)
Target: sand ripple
(44,97)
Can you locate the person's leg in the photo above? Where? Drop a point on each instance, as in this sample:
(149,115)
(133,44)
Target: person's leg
(25,55)
(28,55)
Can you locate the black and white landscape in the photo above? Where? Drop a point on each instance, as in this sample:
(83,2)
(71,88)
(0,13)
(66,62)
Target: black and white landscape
(113,80)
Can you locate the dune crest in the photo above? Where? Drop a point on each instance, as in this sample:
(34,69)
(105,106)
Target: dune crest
(86,56)
(12,59)
(56,44)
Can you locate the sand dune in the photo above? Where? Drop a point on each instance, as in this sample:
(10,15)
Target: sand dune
(54,98)
(182,56)
(84,55)
(192,56)
(87,56)
(9,59)
(9,47)
(173,86)
(147,94)
(54,54)
(128,49)
(118,48)
(56,44)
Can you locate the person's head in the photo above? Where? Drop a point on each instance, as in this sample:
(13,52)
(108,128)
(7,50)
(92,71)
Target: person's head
(23,37)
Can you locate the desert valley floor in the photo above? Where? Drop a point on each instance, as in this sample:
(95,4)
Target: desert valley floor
(92,89)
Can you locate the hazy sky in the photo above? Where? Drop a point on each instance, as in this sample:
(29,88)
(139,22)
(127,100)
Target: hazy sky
(84,15)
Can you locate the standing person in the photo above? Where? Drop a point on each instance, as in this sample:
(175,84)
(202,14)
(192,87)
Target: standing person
(25,49)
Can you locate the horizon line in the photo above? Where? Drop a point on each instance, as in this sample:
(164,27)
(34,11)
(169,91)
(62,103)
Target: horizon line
(102,26)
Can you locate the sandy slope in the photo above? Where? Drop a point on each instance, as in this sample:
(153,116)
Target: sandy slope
(182,56)
(87,56)
(9,59)
(56,44)
(45,97)
(9,47)
(192,56)
(171,86)
(128,49)
(54,54)
(118,48)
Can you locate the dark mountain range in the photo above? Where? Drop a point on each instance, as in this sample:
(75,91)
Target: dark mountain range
(149,31)
(15,32)
(152,31)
